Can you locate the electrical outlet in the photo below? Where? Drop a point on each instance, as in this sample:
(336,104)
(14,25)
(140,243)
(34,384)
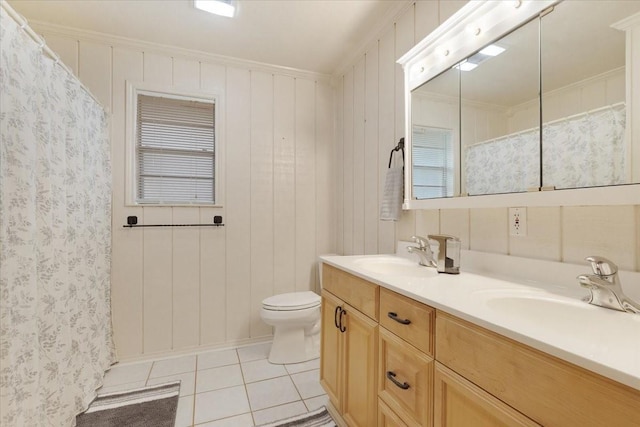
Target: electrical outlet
(518,222)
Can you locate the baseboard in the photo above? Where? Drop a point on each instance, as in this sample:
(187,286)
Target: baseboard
(193,350)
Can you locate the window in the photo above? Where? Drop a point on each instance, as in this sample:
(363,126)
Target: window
(432,157)
(175,149)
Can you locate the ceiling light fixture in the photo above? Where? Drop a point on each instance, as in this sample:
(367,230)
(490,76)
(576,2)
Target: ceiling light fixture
(217,7)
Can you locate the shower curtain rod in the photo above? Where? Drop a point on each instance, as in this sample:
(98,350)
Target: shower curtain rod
(552,122)
(43,45)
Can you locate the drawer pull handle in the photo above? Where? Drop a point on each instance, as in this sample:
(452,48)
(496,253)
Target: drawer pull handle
(335,316)
(342,311)
(394,316)
(392,376)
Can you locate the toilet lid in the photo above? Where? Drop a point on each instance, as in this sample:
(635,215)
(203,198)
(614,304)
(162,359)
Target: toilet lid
(292,301)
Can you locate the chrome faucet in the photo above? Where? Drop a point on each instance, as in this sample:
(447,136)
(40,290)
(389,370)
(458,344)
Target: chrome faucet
(448,254)
(423,250)
(605,286)
(448,258)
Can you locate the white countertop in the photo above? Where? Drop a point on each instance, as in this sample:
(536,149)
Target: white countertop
(549,318)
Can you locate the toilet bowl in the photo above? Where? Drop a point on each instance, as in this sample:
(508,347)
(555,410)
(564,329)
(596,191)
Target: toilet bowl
(295,318)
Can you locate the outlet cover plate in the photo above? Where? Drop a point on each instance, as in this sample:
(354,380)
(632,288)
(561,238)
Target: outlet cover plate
(518,222)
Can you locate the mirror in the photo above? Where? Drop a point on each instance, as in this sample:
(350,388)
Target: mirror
(501,115)
(563,72)
(584,138)
(435,136)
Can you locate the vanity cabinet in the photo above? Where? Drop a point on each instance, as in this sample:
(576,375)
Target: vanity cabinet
(548,390)
(349,346)
(391,361)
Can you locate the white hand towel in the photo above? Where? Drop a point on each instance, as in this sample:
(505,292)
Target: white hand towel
(392,197)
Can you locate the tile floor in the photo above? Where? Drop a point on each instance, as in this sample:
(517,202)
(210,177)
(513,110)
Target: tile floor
(228,388)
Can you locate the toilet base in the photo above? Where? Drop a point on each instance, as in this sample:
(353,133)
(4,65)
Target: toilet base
(292,345)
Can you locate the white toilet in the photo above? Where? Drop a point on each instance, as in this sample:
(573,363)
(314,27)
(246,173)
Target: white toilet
(296,319)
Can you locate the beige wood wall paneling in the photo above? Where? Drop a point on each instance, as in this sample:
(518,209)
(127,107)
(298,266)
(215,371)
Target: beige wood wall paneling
(186,241)
(371,151)
(238,204)
(347,159)
(186,278)
(213,278)
(127,290)
(386,131)
(94,68)
(262,207)
(325,171)
(404,40)
(158,243)
(284,185)
(489,231)
(358,155)
(66,48)
(305,190)
(158,280)
(426,18)
(340,166)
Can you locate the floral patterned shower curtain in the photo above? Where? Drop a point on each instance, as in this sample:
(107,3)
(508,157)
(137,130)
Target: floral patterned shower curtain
(55,238)
(584,150)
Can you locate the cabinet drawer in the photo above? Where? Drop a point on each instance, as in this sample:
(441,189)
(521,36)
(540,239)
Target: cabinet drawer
(409,319)
(357,292)
(548,390)
(388,418)
(405,380)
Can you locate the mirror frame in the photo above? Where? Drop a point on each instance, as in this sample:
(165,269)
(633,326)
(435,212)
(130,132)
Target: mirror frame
(474,26)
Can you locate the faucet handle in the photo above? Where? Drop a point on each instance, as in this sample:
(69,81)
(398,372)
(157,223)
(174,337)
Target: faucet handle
(421,241)
(602,266)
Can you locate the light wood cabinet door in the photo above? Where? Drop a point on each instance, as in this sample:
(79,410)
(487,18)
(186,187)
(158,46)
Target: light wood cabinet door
(460,403)
(359,402)
(331,349)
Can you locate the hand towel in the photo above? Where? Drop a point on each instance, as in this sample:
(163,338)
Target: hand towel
(392,196)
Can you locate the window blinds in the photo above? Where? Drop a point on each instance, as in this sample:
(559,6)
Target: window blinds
(432,157)
(175,151)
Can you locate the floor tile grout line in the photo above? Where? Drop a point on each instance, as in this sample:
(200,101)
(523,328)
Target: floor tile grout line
(195,387)
(246,392)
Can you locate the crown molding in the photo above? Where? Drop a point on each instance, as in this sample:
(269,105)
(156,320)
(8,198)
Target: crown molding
(45,28)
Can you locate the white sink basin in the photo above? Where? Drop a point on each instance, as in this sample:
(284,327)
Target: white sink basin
(394,266)
(563,314)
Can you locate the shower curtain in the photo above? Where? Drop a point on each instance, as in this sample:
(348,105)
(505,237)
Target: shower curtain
(55,238)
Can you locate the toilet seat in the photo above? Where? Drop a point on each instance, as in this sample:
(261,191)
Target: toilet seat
(291,301)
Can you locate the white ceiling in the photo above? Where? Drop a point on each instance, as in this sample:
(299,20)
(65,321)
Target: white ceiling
(314,35)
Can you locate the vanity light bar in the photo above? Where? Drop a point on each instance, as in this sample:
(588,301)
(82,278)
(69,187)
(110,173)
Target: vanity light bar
(492,50)
(465,66)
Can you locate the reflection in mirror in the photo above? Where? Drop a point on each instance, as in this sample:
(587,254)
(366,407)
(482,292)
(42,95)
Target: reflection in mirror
(435,122)
(501,115)
(583,101)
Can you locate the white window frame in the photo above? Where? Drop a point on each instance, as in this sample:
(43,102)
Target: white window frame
(446,170)
(131,117)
